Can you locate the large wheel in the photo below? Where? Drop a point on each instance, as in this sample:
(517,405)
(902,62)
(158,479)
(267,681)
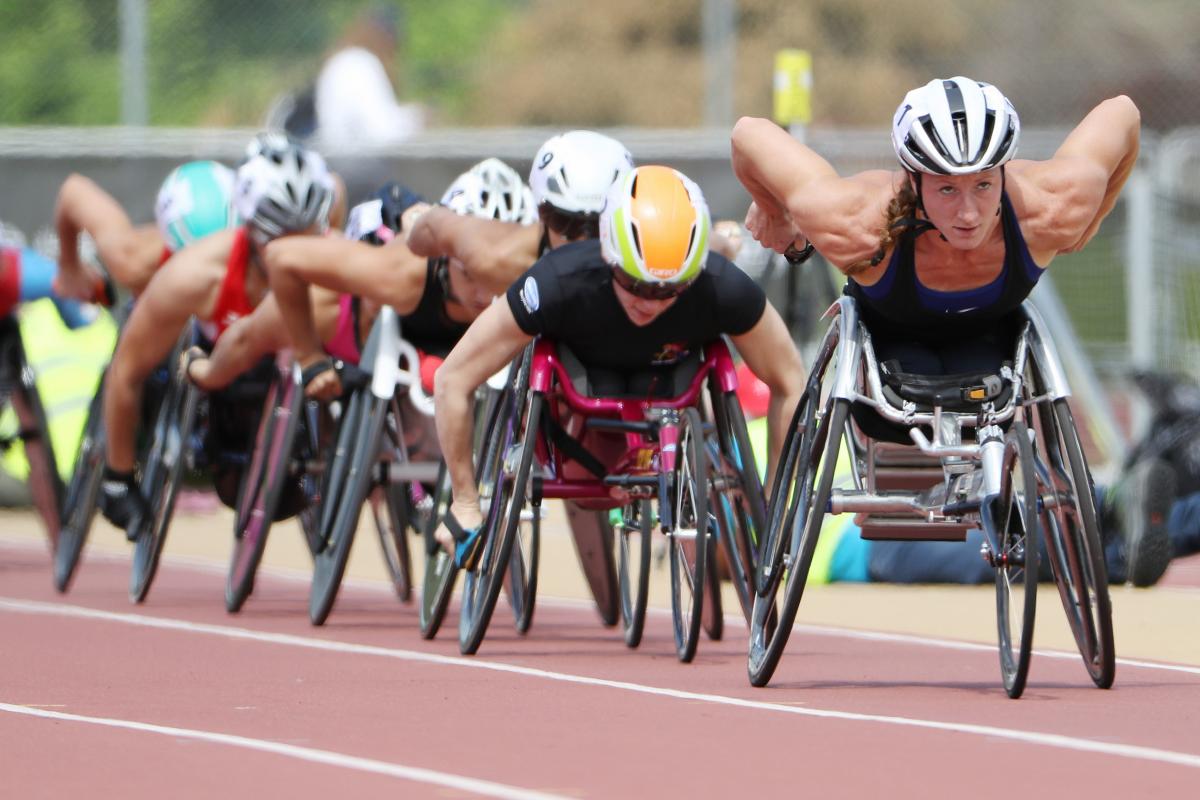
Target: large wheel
(594,543)
(803,483)
(1014,523)
(689,538)
(392,511)
(737,502)
(45,484)
(163,464)
(1073,544)
(351,472)
(520,586)
(509,454)
(440,571)
(79,507)
(631,552)
(263,482)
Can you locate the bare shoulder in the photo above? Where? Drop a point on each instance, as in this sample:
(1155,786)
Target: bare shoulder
(190,280)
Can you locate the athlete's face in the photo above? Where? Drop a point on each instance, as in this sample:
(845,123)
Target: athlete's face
(641,311)
(963,207)
(472,296)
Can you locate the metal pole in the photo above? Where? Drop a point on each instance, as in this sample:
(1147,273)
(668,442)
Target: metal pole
(134,104)
(1139,273)
(718,36)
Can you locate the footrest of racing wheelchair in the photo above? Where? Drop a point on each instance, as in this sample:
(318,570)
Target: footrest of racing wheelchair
(884,529)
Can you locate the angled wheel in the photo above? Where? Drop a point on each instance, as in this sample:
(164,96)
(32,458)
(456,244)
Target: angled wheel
(1014,524)
(45,484)
(689,538)
(631,546)
(736,499)
(1073,544)
(505,493)
(440,572)
(79,507)
(803,484)
(163,464)
(390,508)
(712,616)
(263,482)
(520,586)
(593,537)
(351,472)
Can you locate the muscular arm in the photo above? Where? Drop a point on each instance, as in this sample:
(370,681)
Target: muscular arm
(797,194)
(1083,179)
(493,253)
(771,355)
(186,285)
(391,275)
(241,346)
(129,253)
(492,341)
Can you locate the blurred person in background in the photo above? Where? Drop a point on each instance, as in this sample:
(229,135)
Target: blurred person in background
(355,93)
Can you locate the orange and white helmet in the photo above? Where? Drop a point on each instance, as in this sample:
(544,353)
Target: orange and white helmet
(654,231)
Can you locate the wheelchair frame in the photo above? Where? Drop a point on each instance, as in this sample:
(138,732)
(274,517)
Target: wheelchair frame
(1016,485)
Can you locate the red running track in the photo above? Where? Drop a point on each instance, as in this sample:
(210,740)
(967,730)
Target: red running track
(177,698)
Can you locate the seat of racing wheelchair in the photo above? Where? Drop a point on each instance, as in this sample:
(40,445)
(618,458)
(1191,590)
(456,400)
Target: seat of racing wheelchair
(658,382)
(963,391)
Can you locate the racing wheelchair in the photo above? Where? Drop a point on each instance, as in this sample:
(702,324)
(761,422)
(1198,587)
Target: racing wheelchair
(996,451)
(653,445)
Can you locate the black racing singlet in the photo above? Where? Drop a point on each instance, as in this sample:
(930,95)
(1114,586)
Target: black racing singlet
(428,327)
(898,305)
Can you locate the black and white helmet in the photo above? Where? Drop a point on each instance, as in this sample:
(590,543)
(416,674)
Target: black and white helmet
(283,190)
(955,127)
(573,171)
(491,190)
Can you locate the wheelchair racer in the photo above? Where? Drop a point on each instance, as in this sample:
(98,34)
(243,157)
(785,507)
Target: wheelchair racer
(940,253)
(218,280)
(435,298)
(643,297)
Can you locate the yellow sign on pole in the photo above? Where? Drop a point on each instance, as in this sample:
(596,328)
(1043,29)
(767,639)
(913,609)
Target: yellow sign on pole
(793,87)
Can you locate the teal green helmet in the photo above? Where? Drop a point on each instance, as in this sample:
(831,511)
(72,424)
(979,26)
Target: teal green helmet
(195,200)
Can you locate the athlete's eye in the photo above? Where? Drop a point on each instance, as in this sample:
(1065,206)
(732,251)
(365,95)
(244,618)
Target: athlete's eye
(983,186)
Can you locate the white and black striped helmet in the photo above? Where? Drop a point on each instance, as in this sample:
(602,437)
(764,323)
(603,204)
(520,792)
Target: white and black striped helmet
(283,190)
(955,127)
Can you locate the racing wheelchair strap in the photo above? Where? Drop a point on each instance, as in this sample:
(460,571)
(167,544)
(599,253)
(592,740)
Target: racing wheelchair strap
(571,447)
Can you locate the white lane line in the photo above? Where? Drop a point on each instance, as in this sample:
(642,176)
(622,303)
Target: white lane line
(289,575)
(417,774)
(330,645)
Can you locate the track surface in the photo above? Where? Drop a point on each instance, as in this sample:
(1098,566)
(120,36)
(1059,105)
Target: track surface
(177,698)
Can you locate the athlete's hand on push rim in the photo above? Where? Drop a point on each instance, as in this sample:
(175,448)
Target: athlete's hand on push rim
(325,385)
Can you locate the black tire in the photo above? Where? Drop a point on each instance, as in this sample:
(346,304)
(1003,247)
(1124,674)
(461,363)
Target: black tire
(263,483)
(351,472)
(631,552)
(80,504)
(390,510)
(689,540)
(712,615)
(440,571)
(803,483)
(737,502)
(1015,526)
(520,586)
(593,538)
(1073,543)
(45,484)
(507,494)
(163,464)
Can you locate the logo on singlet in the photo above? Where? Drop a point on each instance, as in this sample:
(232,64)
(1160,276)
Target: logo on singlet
(670,353)
(529,295)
